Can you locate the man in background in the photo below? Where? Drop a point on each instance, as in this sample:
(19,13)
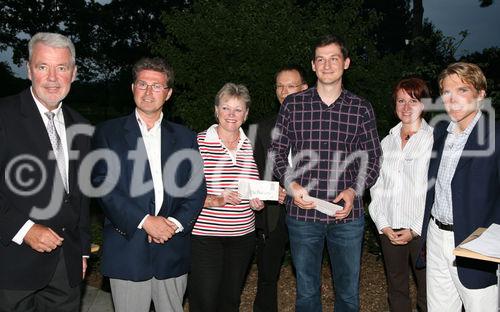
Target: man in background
(272,234)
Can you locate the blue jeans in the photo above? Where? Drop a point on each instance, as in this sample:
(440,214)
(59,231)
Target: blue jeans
(344,242)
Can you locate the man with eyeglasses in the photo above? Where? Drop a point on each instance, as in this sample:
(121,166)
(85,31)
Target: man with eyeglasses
(160,189)
(333,138)
(270,222)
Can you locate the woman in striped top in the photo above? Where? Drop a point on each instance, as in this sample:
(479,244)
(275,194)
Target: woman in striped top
(223,239)
(398,196)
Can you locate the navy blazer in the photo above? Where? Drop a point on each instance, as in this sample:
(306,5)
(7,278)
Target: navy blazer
(126,253)
(23,133)
(475,195)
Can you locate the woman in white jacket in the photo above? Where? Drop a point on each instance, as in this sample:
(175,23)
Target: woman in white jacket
(398,196)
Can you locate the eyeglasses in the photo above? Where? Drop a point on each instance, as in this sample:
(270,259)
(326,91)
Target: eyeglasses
(156,87)
(288,87)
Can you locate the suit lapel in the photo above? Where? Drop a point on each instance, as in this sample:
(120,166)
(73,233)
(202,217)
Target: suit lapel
(437,151)
(168,146)
(36,128)
(472,143)
(133,137)
(68,122)
(168,142)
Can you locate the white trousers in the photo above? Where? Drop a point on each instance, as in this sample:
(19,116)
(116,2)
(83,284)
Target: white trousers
(167,294)
(445,292)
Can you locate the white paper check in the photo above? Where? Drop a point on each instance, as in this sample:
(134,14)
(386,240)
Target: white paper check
(487,243)
(263,190)
(324,206)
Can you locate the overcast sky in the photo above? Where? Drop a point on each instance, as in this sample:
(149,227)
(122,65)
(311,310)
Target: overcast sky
(450,16)
(453,16)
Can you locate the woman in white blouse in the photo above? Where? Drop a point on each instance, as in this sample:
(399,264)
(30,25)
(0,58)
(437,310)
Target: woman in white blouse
(398,196)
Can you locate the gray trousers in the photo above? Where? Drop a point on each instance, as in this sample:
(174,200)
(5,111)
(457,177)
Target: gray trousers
(167,294)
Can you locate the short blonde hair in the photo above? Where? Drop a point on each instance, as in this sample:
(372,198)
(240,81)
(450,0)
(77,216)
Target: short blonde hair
(230,90)
(468,72)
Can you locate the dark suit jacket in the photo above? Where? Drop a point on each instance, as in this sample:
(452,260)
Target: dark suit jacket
(22,132)
(475,195)
(266,219)
(126,253)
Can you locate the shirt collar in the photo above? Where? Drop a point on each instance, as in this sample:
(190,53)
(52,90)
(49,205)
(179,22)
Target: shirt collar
(142,123)
(42,109)
(453,126)
(212,136)
(340,99)
(424,127)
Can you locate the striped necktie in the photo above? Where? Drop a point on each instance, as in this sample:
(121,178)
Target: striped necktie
(55,140)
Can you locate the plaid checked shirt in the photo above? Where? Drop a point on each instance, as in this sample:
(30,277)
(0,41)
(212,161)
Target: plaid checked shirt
(333,147)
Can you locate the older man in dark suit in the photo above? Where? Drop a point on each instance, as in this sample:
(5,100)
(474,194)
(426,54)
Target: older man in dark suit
(159,193)
(44,230)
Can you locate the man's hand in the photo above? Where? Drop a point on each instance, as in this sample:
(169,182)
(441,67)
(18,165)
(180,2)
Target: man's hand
(348,196)
(281,195)
(84,267)
(159,229)
(42,238)
(158,241)
(298,194)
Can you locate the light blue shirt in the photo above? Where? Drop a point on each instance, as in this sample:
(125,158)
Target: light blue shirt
(442,208)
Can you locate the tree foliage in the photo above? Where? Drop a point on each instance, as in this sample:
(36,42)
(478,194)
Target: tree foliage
(212,43)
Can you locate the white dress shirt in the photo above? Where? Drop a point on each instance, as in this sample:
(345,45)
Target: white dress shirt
(398,196)
(152,142)
(61,131)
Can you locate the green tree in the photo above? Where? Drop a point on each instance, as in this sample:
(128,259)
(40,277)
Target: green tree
(215,42)
(489,61)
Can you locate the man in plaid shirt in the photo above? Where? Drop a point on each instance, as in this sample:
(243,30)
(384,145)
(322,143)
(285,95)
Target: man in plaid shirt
(335,156)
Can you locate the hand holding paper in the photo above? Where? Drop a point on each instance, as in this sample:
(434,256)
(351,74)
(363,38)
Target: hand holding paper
(263,190)
(324,206)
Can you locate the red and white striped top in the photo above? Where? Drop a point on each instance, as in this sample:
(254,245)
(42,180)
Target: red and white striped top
(223,170)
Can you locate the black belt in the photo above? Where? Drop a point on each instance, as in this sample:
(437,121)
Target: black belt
(443,226)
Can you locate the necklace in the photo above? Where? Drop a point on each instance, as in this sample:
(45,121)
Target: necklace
(230,142)
(407,136)
(226,142)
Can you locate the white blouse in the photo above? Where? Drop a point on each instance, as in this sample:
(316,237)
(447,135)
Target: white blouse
(398,196)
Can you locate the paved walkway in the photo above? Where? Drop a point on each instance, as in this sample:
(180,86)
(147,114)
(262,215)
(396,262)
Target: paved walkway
(96,300)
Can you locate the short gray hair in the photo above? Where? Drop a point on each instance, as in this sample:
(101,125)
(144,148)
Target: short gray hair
(54,40)
(233,90)
(157,64)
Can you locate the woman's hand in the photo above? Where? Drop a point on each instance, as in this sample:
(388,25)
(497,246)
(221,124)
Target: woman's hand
(403,237)
(231,197)
(256,204)
(388,231)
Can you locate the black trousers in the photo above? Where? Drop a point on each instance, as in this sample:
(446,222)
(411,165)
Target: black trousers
(270,252)
(218,270)
(56,296)
(398,260)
